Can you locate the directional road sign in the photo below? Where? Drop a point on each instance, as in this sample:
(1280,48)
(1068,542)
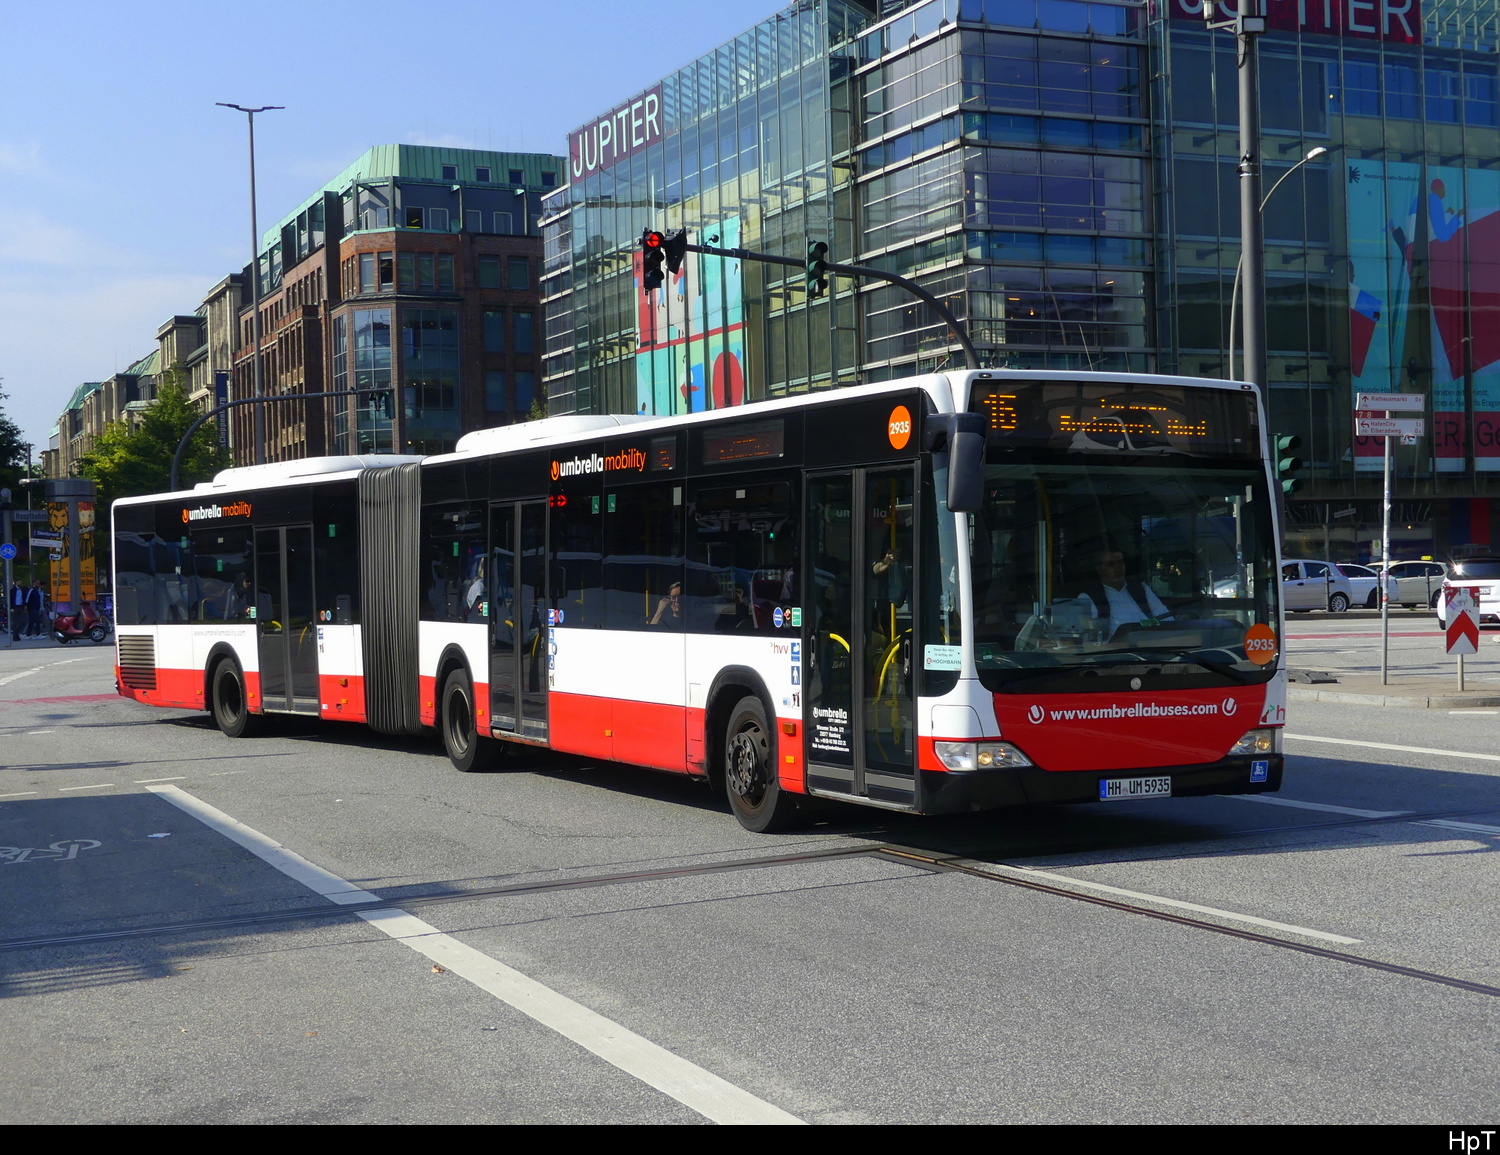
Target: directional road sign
(1389,426)
(1461,612)
(1391,401)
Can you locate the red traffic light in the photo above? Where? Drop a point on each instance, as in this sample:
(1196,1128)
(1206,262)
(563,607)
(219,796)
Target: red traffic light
(652,239)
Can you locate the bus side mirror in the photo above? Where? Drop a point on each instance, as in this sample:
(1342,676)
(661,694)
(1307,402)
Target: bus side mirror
(962,435)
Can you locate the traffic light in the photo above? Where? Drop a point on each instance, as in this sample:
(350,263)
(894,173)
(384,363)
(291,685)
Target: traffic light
(653,250)
(817,268)
(1286,465)
(676,247)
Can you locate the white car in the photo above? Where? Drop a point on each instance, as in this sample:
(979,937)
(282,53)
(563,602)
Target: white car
(1314,585)
(1482,572)
(1364,585)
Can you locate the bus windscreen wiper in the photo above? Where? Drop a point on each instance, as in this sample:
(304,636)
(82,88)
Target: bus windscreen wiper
(1239,676)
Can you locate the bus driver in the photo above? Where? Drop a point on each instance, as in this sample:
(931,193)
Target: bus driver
(1124,603)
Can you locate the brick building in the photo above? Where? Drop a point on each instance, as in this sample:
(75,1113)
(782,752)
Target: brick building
(426,310)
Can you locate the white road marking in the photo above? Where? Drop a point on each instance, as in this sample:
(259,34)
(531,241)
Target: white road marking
(1331,809)
(9,678)
(143,781)
(1233,916)
(18,794)
(1471,827)
(1445,823)
(95,786)
(33,733)
(1388,746)
(1474,711)
(711,1096)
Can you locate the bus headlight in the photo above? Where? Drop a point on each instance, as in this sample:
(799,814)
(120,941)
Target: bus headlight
(1267,741)
(979,755)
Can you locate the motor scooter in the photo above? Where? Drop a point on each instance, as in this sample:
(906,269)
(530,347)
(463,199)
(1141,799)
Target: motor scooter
(86,623)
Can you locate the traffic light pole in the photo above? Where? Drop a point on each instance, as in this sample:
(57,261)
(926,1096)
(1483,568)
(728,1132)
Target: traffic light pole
(855,272)
(1385,553)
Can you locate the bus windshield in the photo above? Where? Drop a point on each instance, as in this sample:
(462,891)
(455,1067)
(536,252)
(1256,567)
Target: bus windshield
(1121,568)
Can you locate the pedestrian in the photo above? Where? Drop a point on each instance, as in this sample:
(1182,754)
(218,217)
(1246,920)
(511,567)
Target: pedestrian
(17,610)
(36,608)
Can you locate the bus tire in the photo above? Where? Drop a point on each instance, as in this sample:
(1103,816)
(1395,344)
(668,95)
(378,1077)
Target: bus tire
(756,798)
(231,704)
(466,749)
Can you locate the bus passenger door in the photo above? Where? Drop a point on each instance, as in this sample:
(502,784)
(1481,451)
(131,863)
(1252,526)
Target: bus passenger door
(519,618)
(286,633)
(859,708)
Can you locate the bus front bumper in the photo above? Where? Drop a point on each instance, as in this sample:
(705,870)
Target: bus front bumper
(962,791)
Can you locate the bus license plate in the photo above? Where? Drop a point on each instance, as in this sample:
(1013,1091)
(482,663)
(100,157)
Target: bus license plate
(1114,789)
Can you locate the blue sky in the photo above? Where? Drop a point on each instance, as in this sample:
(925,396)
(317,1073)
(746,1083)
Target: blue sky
(123,189)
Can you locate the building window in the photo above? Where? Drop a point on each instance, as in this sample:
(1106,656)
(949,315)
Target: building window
(517,176)
(413,217)
(366,272)
(450,172)
(549,180)
(437,220)
(495,400)
(387,271)
(489,272)
(523,324)
(474,220)
(482,175)
(517,276)
(445,272)
(494,331)
(525,390)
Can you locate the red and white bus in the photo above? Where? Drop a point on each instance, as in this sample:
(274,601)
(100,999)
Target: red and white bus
(947,593)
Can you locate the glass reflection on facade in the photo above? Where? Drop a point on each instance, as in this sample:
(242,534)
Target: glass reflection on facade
(1062,174)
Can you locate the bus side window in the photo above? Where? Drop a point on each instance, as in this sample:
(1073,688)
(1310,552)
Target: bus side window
(643,558)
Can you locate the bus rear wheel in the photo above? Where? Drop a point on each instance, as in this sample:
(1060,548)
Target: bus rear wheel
(466,749)
(756,798)
(230,703)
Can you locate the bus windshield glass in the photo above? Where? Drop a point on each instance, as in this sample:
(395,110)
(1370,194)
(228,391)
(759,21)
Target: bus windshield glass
(1121,569)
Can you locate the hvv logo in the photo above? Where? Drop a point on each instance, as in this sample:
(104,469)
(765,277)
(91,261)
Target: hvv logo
(1229,707)
(1035,715)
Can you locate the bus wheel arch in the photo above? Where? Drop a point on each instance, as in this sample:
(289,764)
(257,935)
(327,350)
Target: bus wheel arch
(227,695)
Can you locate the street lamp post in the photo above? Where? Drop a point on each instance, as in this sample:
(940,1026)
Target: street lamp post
(1239,267)
(260,416)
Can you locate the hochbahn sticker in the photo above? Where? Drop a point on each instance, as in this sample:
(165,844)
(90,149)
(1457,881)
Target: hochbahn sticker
(1260,644)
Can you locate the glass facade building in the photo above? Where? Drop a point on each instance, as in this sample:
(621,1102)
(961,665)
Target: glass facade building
(1062,174)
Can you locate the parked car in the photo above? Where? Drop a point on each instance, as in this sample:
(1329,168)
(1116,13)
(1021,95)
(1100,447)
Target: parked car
(1418,583)
(1314,585)
(1482,571)
(1364,585)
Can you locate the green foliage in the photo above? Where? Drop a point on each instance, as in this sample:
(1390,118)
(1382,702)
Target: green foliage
(126,461)
(12,452)
(538,408)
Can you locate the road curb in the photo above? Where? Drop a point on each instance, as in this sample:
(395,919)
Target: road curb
(1404,701)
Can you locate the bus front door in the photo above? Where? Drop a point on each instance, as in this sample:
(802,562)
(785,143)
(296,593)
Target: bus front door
(286,633)
(859,710)
(519,618)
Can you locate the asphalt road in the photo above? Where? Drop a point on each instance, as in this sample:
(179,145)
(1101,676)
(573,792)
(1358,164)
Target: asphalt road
(324,925)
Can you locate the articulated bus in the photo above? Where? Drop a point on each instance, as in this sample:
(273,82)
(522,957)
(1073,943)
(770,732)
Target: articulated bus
(948,593)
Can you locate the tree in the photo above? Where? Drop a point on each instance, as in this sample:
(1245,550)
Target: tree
(126,461)
(12,451)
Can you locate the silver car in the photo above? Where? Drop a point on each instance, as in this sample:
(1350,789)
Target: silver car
(1314,585)
(1364,585)
(1418,583)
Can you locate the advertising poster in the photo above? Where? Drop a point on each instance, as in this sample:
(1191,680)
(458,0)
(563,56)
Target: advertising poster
(1381,201)
(691,351)
(1481,233)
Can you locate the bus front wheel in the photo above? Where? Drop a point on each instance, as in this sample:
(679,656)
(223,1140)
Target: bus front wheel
(466,749)
(755,795)
(231,705)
